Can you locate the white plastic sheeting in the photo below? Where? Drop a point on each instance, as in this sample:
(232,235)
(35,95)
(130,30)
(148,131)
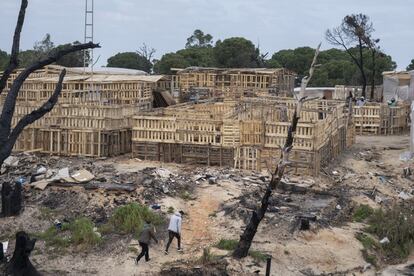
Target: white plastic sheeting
(400,90)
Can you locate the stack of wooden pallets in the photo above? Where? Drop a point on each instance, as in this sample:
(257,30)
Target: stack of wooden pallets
(381,119)
(93,114)
(245,134)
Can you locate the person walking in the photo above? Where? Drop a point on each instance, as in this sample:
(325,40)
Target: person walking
(145,237)
(174,230)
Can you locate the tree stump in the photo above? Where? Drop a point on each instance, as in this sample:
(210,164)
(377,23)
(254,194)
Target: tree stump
(20,264)
(11,199)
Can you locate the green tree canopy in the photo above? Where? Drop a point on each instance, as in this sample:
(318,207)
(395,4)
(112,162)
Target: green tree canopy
(43,48)
(130,60)
(236,52)
(411,65)
(168,61)
(4,60)
(74,59)
(199,39)
(336,66)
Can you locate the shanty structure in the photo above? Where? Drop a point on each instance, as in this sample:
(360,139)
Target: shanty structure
(198,83)
(92,116)
(381,118)
(244,134)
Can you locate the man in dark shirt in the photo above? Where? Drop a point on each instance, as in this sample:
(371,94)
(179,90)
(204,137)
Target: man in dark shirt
(145,237)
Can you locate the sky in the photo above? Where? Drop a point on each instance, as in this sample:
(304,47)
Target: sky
(124,25)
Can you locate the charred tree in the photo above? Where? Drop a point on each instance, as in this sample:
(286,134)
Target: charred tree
(20,264)
(353,32)
(11,199)
(9,135)
(246,238)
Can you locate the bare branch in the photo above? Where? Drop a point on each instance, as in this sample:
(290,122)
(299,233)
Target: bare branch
(307,79)
(14,56)
(10,102)
(40,112)
(146,51)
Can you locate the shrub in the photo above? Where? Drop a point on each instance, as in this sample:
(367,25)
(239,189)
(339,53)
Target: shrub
(397,224)
(130,219)
(83,232)
(79,232)
(258,256)
(170,210)
(51,238)
(362,213)
(227,244)
(367,241)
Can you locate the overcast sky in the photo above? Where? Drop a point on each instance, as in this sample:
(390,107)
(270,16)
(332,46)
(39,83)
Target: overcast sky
(123,25)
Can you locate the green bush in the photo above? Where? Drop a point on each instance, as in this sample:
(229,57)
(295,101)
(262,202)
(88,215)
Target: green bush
(397,224)
(367,241)
(362,213)
(52,238)
(258,256)
(83,233)
(170,210)
(227,244)
(79,232)
(130,219)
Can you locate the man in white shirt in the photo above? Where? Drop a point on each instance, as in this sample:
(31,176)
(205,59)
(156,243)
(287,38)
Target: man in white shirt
(174,230)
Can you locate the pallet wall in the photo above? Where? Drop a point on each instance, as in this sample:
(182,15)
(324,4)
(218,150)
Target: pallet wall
(252,129)
(381,119)
(92,116)
(205,83)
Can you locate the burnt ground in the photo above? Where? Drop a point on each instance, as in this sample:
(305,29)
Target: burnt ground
(217,202)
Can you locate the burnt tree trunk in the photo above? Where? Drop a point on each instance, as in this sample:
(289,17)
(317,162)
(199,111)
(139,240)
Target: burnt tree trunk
(242,249)
(11,199)
(374,57)
(362,69)
(20,264)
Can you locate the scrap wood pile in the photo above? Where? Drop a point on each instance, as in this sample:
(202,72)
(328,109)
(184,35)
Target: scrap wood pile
(39,172)
(382,182)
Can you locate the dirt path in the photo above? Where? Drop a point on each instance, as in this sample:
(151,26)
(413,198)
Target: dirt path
(197,231)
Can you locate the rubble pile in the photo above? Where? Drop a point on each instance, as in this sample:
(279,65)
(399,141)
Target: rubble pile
(291,204)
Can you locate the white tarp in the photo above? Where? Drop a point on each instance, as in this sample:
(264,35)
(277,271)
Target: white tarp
(390,88)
